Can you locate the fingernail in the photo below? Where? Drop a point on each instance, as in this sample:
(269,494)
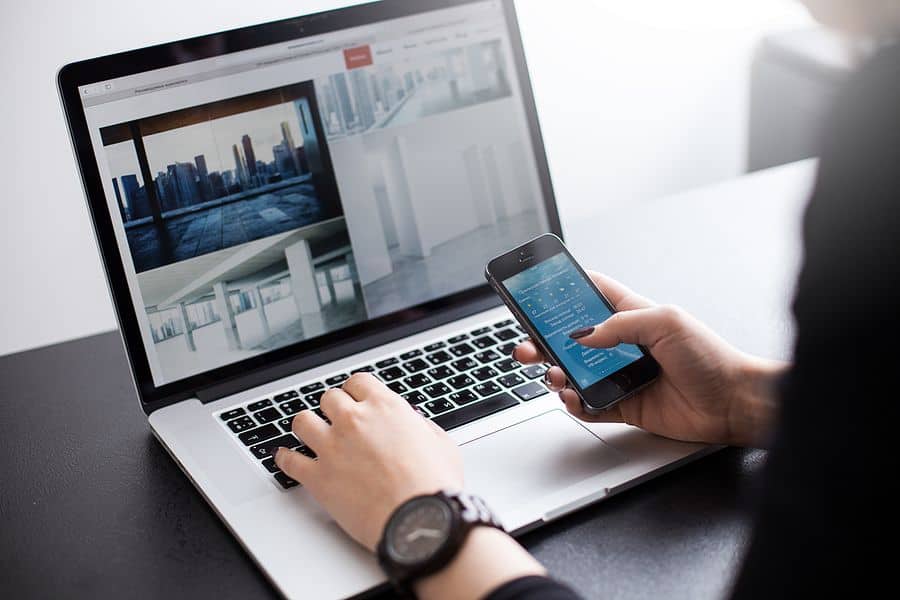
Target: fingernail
(279,456)
(581,333)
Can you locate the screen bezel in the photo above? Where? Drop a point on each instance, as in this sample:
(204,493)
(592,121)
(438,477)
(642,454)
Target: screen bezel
(604,393)
(303,355)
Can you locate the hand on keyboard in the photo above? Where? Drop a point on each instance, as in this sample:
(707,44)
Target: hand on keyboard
(377,453)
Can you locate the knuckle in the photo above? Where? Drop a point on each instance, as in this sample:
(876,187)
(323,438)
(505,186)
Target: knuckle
(671,316)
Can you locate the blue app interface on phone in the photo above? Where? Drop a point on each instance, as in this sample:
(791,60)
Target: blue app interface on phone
(558,300)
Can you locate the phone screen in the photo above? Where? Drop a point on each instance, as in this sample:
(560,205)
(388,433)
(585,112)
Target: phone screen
(558,300)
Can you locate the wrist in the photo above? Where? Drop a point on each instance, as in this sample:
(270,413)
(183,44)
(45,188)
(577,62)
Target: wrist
(755,406)
(487,559)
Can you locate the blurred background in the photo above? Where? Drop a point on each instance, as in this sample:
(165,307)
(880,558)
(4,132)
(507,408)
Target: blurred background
(637,99)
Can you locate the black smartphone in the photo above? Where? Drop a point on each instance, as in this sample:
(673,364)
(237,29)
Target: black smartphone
(552,296)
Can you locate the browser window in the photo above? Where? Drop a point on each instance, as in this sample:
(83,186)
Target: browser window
(268,197)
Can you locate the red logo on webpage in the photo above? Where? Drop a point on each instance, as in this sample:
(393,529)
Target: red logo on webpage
(360,56)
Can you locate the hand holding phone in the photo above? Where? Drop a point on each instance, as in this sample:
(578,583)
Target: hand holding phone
(552,297)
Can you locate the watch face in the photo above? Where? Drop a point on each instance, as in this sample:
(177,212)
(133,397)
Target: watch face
(418,531)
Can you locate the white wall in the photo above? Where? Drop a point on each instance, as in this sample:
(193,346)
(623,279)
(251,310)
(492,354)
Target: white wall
(638,98)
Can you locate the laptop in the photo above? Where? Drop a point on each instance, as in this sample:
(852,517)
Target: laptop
(280,206)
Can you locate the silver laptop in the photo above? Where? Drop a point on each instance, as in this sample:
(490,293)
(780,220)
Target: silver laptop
(280,206)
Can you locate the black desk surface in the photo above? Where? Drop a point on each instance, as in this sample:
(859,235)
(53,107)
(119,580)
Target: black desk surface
(92,506)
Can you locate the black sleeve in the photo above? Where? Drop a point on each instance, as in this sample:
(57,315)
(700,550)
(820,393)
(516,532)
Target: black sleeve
(532,588)
(823,502)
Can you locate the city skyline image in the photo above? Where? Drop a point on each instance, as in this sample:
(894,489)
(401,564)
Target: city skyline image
(220,175)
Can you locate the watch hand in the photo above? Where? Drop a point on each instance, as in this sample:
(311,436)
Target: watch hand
(420,533)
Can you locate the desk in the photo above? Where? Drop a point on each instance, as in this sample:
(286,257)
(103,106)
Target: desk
(92,506)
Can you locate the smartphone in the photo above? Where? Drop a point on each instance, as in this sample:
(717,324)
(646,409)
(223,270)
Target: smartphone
(552,296)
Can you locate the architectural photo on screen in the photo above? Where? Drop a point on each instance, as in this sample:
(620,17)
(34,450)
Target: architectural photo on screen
(239,242)
(425,216)
(219,175)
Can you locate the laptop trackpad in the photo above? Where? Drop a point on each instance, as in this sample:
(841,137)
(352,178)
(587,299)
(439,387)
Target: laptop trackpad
(537,458)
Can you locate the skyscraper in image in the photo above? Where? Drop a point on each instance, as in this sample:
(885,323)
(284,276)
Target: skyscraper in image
(291,147)
(203,178)
(239,166)
(249,155)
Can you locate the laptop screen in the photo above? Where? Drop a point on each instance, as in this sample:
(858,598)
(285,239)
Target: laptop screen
(264,198)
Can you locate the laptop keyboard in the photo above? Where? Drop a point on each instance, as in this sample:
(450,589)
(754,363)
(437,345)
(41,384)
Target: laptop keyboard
(452,381)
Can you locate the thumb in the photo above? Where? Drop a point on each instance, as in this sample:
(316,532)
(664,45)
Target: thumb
(644,326)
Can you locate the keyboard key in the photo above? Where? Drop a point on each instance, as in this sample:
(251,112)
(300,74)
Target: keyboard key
(241,424)
(487,356)
(259,434)
(461,350)
(439,358)
(435,347)
(464,364)
(415,397)
(322,415)
(417,381)
(285,424)
(397,387)
(437,407)
(437,390)
(507,349)
(485,342)
(505,335)
(314,399)
(439,373)
(392,374)
(270,465)
(511,380)
(484,373)
(232,414)
(293,407)
(503,324)
(267,416)
(481,331)
(313,387)
(461,381)
(476,411)
(411,355)
(337,380)
(365,369)
(534,371)
(507,365)
(255,406)
(530,391)
(464,397)
(488,388)
(388,362)
(521,329)
(458,338)
(285,397)
(307,451)
(414,366)
(285,481)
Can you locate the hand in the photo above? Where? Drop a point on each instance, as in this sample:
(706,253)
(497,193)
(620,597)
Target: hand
(708,390)
(377,453)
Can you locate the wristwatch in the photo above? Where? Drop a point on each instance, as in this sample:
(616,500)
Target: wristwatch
(426,532)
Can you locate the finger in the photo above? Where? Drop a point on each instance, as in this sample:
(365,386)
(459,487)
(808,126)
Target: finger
(622,297)
(295,465)
(527,353)
(364,386)
(336,404)
(311,429)
(555,379)
(575,407)
(644,326)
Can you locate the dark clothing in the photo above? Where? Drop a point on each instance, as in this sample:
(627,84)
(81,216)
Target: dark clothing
(818,511)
